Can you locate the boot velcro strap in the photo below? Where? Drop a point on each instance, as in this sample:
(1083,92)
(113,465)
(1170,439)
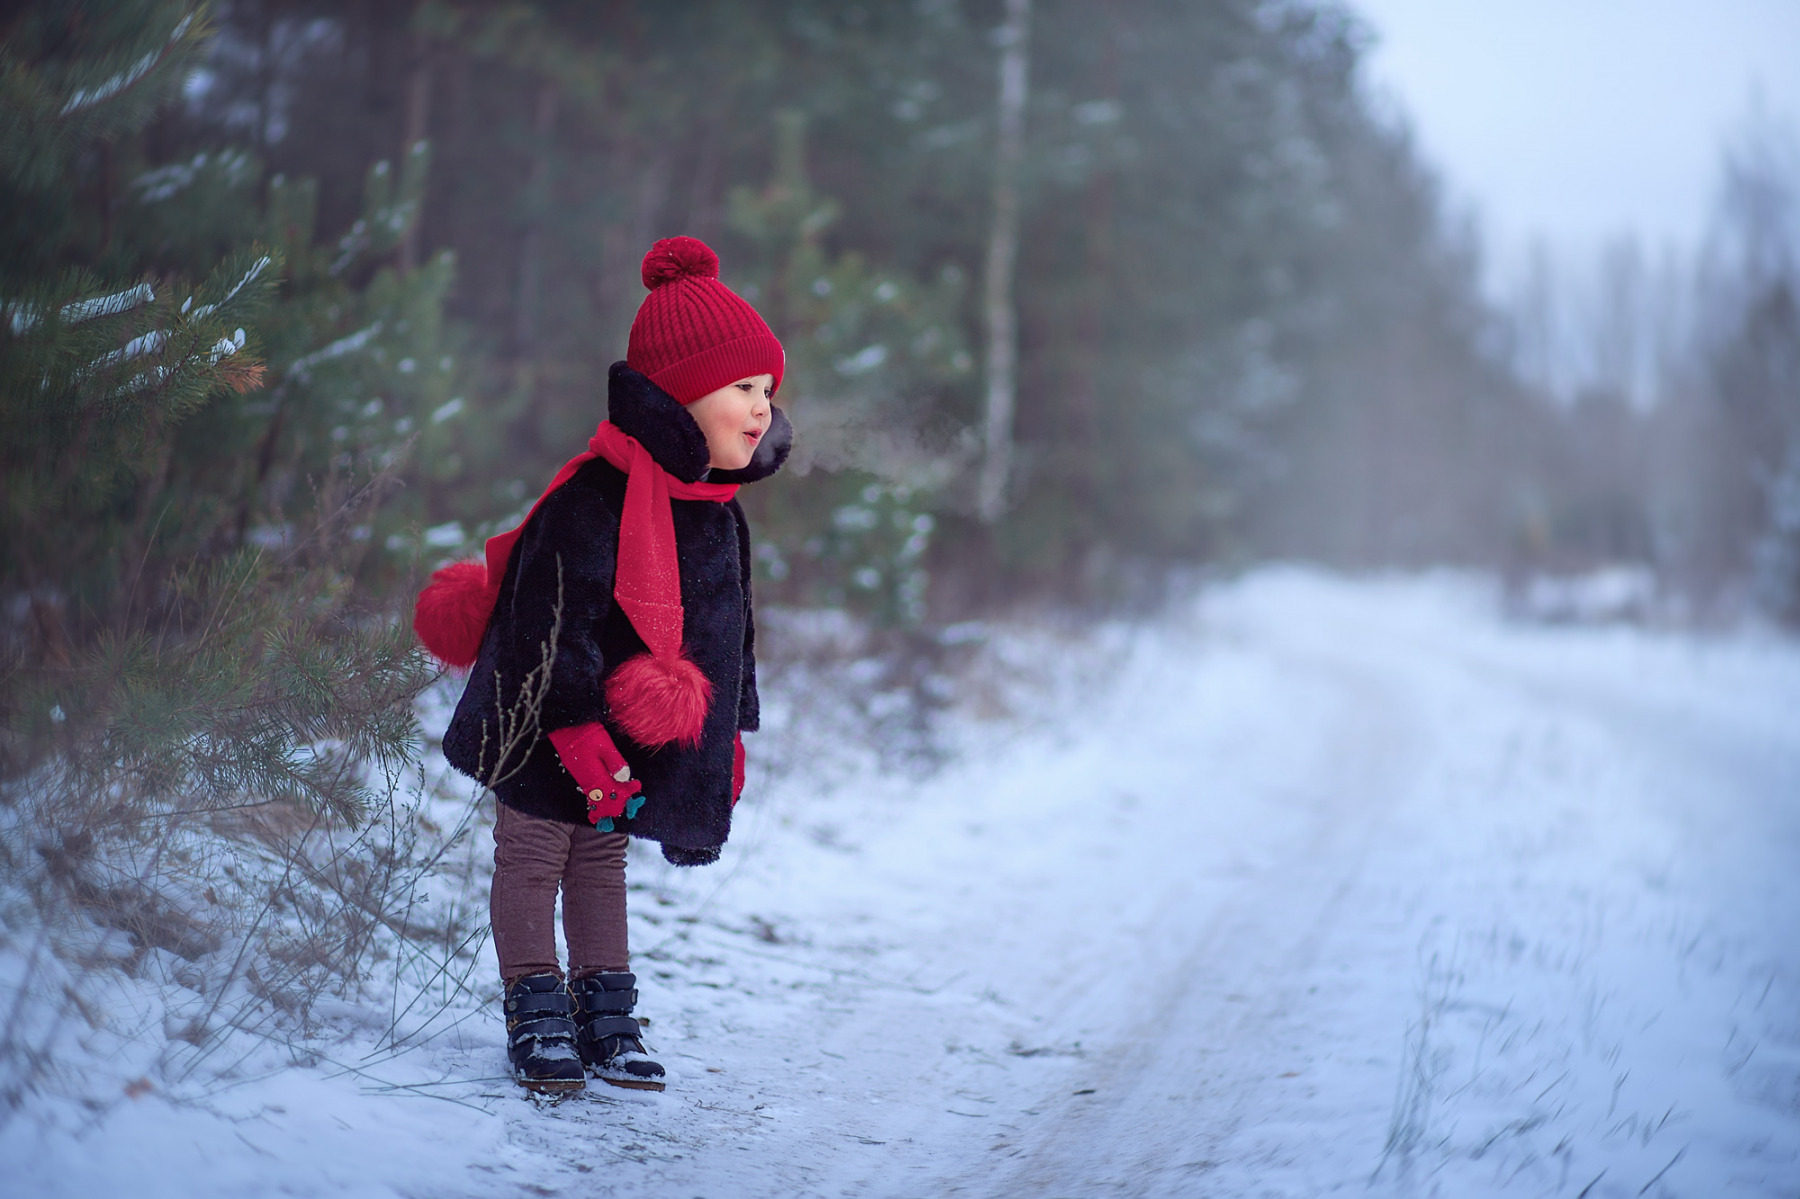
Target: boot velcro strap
(548,1001)
(607,1001)
(610,1026)
(526,1038)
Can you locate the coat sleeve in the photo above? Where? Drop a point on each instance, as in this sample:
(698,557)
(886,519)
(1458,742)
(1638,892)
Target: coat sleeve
(561,591)
(749,706)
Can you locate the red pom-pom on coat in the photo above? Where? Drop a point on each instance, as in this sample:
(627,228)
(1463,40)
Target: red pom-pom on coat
(451,615)
(657,701)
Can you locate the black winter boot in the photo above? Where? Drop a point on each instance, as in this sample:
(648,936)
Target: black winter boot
(609,1040)
(540,1035)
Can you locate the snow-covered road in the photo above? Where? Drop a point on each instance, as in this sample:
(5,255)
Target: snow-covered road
(1319,887)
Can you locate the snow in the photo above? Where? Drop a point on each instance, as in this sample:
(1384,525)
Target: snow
(165,182)
(249,276)
(445,535)
(337,349)
(137,347)
(108,305)
(225,347)
(87,97)
(24,317)
(1314,886)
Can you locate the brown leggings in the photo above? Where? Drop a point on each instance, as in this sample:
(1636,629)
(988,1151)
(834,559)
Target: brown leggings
(532,857)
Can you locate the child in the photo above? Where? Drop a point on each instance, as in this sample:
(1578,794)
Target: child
(611,640)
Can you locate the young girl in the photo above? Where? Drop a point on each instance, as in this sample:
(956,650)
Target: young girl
(611,642)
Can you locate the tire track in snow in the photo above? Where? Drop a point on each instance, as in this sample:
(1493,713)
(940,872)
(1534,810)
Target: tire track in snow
(1166,1107)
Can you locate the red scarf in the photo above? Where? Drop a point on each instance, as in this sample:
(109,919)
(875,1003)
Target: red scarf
(656,698)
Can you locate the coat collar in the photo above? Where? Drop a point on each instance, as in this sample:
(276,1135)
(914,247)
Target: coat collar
(661,425)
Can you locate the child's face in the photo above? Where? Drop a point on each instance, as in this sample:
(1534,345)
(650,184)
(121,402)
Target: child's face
(734,418)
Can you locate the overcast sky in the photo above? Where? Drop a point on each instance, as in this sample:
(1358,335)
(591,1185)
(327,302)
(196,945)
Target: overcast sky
(1579,119)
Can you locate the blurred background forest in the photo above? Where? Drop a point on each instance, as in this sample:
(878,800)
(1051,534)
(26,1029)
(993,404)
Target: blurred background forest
(1245,326)
(306,297)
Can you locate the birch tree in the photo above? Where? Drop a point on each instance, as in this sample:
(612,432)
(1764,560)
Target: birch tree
(1000,311)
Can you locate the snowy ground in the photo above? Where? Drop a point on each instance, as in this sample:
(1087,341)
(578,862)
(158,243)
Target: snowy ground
(1315,887)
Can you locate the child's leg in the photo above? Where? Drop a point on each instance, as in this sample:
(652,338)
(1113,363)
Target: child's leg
(594,903)
(530,858)
(600,977)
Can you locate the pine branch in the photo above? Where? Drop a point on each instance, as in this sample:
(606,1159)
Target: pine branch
(71,76)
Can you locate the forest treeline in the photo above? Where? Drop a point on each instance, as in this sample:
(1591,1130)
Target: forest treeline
(1672,381)
(1242,326)
(304,297)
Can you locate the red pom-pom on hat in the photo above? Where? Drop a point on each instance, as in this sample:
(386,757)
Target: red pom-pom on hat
(675,258)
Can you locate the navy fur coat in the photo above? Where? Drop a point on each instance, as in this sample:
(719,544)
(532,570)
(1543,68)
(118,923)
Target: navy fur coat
(555,631)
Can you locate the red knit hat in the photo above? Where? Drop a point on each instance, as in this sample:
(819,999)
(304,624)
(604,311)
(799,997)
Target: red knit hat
(693,335)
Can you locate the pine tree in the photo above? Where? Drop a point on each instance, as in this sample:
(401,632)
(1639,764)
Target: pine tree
(207,409)
(195,438)
(103,354)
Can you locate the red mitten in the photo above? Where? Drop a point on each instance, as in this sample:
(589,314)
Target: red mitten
(737,769)
(588,753)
